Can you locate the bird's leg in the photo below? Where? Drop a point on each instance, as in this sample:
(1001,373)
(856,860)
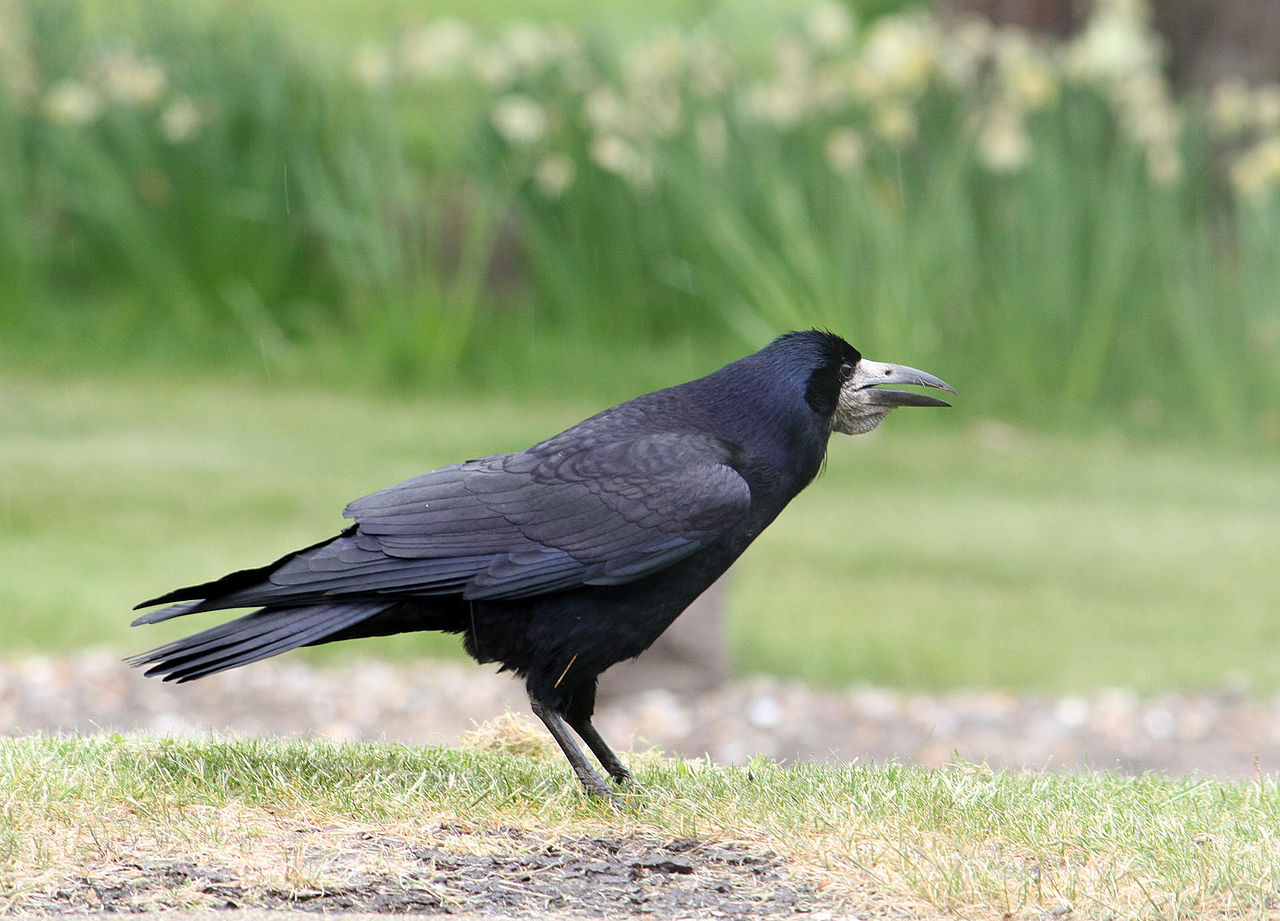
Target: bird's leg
(559,730)
(600,748)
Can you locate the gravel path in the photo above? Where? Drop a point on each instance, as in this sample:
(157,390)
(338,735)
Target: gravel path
(1226,734)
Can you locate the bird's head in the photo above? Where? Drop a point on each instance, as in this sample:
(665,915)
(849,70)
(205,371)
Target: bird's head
(851,391)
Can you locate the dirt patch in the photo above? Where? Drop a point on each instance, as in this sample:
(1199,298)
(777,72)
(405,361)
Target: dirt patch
(507,874)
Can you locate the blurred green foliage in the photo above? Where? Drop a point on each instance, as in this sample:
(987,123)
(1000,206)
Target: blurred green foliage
(1041,223)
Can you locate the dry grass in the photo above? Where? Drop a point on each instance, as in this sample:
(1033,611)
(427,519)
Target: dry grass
(509,734)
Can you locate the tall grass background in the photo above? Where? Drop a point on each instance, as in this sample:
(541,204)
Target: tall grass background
(1040,222)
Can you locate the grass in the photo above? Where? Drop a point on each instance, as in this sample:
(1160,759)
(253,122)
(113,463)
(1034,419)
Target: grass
(297,817)
(929,554)
(996,557)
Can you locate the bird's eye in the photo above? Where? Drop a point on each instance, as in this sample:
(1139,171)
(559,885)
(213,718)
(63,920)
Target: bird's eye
(846,371)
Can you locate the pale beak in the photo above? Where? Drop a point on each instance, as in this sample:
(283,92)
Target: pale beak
(873,375)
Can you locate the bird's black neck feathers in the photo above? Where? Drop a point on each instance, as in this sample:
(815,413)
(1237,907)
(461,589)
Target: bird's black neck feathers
(779,401)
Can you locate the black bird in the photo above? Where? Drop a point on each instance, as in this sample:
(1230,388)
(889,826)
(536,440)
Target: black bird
(562,559)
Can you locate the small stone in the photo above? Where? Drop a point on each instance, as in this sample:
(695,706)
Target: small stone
(1071,712)
(764,712)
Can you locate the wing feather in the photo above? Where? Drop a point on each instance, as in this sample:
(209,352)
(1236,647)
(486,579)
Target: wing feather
(509,526)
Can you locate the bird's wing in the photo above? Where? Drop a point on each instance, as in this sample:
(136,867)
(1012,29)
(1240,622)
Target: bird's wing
(542,520)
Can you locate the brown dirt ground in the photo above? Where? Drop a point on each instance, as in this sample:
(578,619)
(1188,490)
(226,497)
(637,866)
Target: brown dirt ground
(490,873)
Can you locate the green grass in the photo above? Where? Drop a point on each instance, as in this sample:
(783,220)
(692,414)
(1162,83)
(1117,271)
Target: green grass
(929,554)
(993,557)
(963,840)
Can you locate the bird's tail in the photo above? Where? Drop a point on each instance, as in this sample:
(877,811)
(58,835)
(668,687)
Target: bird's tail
(264,633)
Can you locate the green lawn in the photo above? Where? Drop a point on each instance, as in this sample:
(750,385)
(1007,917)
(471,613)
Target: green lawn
(989,557)
(939,551)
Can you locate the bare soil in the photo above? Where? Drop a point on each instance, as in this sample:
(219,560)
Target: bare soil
(571,877)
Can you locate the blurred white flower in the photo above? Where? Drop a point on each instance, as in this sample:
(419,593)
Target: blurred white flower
(605,110)
(1235,109)
(520,120)
(616,155)
(1256,174)
(660,60)
(1164,164)
(564,41)
(437,50)
(1266,106)
(1033,85)
(711,67)
(1147,112)
(494,68)
(964,52)
(1003,143)
(1116,42)
(653,81)
(72,103)
(180,120)
(895,123)
(371,65)
(900,56)
(792,61)
(830,25)
(844,150)
(1026,71)
(1230,107)
(554,174)
(127,78)
(612,153)
(529,47)
(780,105)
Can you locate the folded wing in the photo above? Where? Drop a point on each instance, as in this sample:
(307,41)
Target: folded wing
(514,525)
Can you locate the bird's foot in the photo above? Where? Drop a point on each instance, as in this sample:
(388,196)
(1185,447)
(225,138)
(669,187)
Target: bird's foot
(624,778)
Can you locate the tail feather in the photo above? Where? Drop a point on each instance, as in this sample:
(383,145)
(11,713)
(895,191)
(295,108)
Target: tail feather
(256,629)
(207,595)
(255,636)
(173,610)
(189,668)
